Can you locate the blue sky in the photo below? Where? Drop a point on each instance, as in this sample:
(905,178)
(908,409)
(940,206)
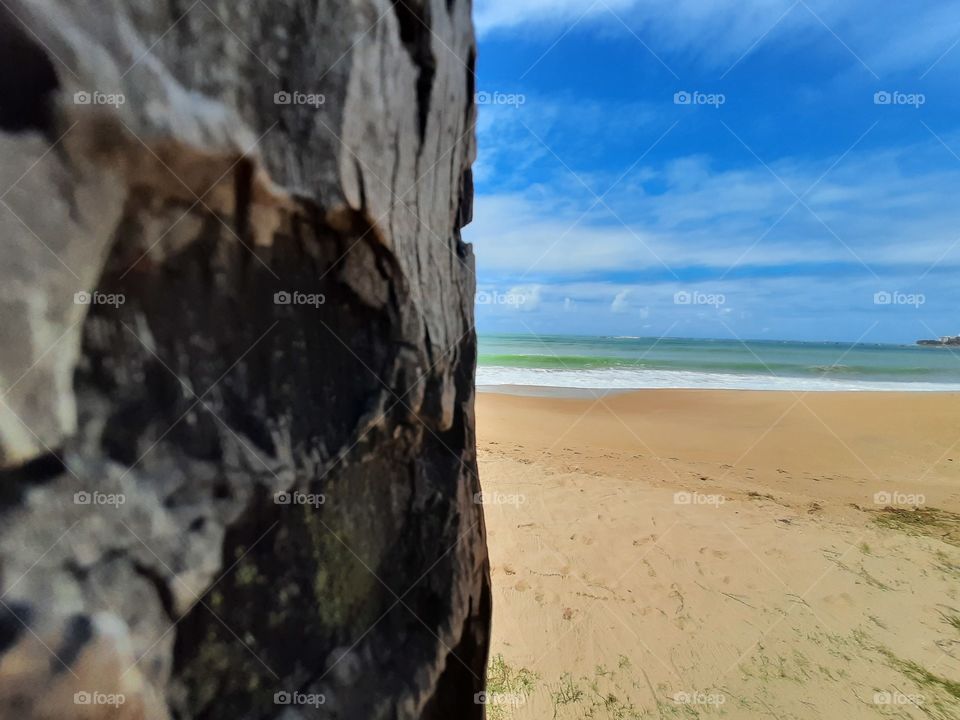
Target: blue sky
(787,200)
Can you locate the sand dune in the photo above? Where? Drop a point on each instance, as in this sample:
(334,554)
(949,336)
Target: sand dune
(694,553)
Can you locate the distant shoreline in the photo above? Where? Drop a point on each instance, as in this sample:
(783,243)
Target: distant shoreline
(646,363)
(580,393)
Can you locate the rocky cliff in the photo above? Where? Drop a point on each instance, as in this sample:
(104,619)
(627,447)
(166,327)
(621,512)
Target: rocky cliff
(236,368)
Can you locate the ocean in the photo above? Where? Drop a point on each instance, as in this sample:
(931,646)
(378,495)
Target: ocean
(559,361)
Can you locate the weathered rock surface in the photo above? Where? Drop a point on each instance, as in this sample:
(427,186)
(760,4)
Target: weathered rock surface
(236,361)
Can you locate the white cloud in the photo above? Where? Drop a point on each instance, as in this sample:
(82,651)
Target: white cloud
(620,304)
(868,208)
(527,297)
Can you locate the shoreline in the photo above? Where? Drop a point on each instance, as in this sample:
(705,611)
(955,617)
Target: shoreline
(647,363)
(568,392)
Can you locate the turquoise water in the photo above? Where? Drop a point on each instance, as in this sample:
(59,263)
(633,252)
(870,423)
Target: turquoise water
(609,362)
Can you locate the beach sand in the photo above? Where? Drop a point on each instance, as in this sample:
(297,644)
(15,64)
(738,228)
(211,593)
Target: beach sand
(690,553)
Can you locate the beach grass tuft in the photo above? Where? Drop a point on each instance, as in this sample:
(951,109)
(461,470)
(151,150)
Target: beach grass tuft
(923,677)
(505,681)
(928,521)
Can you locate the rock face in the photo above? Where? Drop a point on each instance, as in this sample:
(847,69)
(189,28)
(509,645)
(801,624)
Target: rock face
(236,363)
(943,341)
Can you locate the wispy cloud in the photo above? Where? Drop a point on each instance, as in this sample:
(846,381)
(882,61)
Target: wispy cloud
(869,212)
(896,36)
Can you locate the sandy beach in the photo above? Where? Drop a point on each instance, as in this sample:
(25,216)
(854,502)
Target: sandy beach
(695,553)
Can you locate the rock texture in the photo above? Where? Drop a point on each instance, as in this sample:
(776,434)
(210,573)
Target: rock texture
(236,362)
